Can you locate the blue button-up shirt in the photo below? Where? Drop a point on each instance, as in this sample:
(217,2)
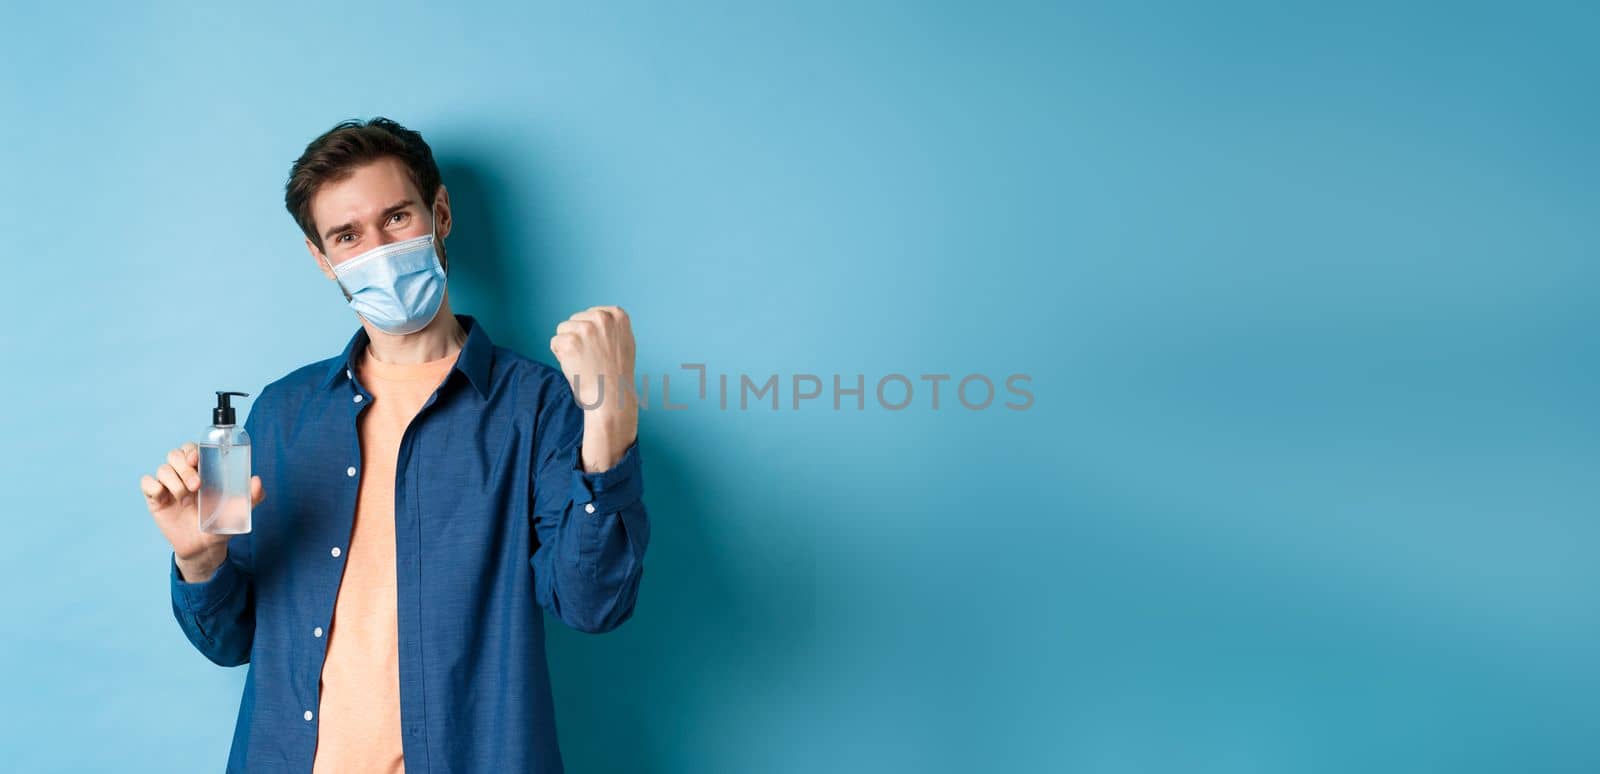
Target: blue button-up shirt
(495,522)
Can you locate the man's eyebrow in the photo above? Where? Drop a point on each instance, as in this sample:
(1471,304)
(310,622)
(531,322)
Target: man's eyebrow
(387,211)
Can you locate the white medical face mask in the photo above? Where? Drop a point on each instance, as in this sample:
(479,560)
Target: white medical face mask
(398,287)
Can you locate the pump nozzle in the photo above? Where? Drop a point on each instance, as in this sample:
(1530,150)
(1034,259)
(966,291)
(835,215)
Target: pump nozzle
(223,413)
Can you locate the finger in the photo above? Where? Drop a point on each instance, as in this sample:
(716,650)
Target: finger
(175,486)
(563,344)
(191,453)
(257,493)
(576,327)
(154,492)
(180,464)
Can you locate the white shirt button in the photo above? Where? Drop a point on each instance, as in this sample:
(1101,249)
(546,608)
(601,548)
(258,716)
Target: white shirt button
(335,552)
(588,508)
(308,714)
(350,471)
(317,632)
(357,398)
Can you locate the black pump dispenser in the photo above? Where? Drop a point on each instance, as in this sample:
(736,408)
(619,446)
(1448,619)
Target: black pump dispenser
(223,415)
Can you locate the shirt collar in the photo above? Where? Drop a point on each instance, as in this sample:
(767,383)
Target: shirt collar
(477,355)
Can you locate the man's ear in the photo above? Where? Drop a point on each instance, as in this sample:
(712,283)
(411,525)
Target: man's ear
(322,261)
(441,209)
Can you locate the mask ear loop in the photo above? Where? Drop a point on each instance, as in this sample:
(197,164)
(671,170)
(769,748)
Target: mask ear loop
(347,297)
(438,247)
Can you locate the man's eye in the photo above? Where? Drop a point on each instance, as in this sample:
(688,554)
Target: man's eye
(343,237)
(397,217)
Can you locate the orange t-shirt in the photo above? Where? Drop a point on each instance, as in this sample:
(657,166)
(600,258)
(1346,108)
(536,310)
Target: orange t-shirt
(359,713)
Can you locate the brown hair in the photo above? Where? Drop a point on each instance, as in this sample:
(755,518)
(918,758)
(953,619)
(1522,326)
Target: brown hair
(350,144)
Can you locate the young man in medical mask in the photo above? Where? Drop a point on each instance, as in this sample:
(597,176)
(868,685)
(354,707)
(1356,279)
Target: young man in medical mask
(421,499)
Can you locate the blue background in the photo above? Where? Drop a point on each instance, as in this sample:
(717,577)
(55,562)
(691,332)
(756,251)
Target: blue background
(1307,295)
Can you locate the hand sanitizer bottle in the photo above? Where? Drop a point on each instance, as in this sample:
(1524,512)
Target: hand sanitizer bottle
(224,502)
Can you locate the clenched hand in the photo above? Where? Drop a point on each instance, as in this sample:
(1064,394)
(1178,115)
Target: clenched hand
(596,351)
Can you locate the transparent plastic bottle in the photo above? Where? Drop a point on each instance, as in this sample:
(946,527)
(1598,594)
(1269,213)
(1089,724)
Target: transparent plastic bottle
(224,501)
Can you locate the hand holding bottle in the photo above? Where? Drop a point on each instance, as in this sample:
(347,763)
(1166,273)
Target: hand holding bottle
(172,495)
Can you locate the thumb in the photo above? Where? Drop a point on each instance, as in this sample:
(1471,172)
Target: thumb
(257,493)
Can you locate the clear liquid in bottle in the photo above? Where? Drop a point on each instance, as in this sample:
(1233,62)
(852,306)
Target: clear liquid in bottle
(224,499)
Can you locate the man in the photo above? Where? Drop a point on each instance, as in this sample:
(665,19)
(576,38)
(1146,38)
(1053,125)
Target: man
(419,500)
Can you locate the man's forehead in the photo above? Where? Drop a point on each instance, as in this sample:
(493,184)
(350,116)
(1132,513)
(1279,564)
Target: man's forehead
(367,190)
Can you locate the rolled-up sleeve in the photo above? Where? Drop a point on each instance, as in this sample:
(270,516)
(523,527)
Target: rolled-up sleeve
(216,614)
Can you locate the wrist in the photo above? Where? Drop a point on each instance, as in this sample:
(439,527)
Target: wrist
(199,567)
(606,439)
